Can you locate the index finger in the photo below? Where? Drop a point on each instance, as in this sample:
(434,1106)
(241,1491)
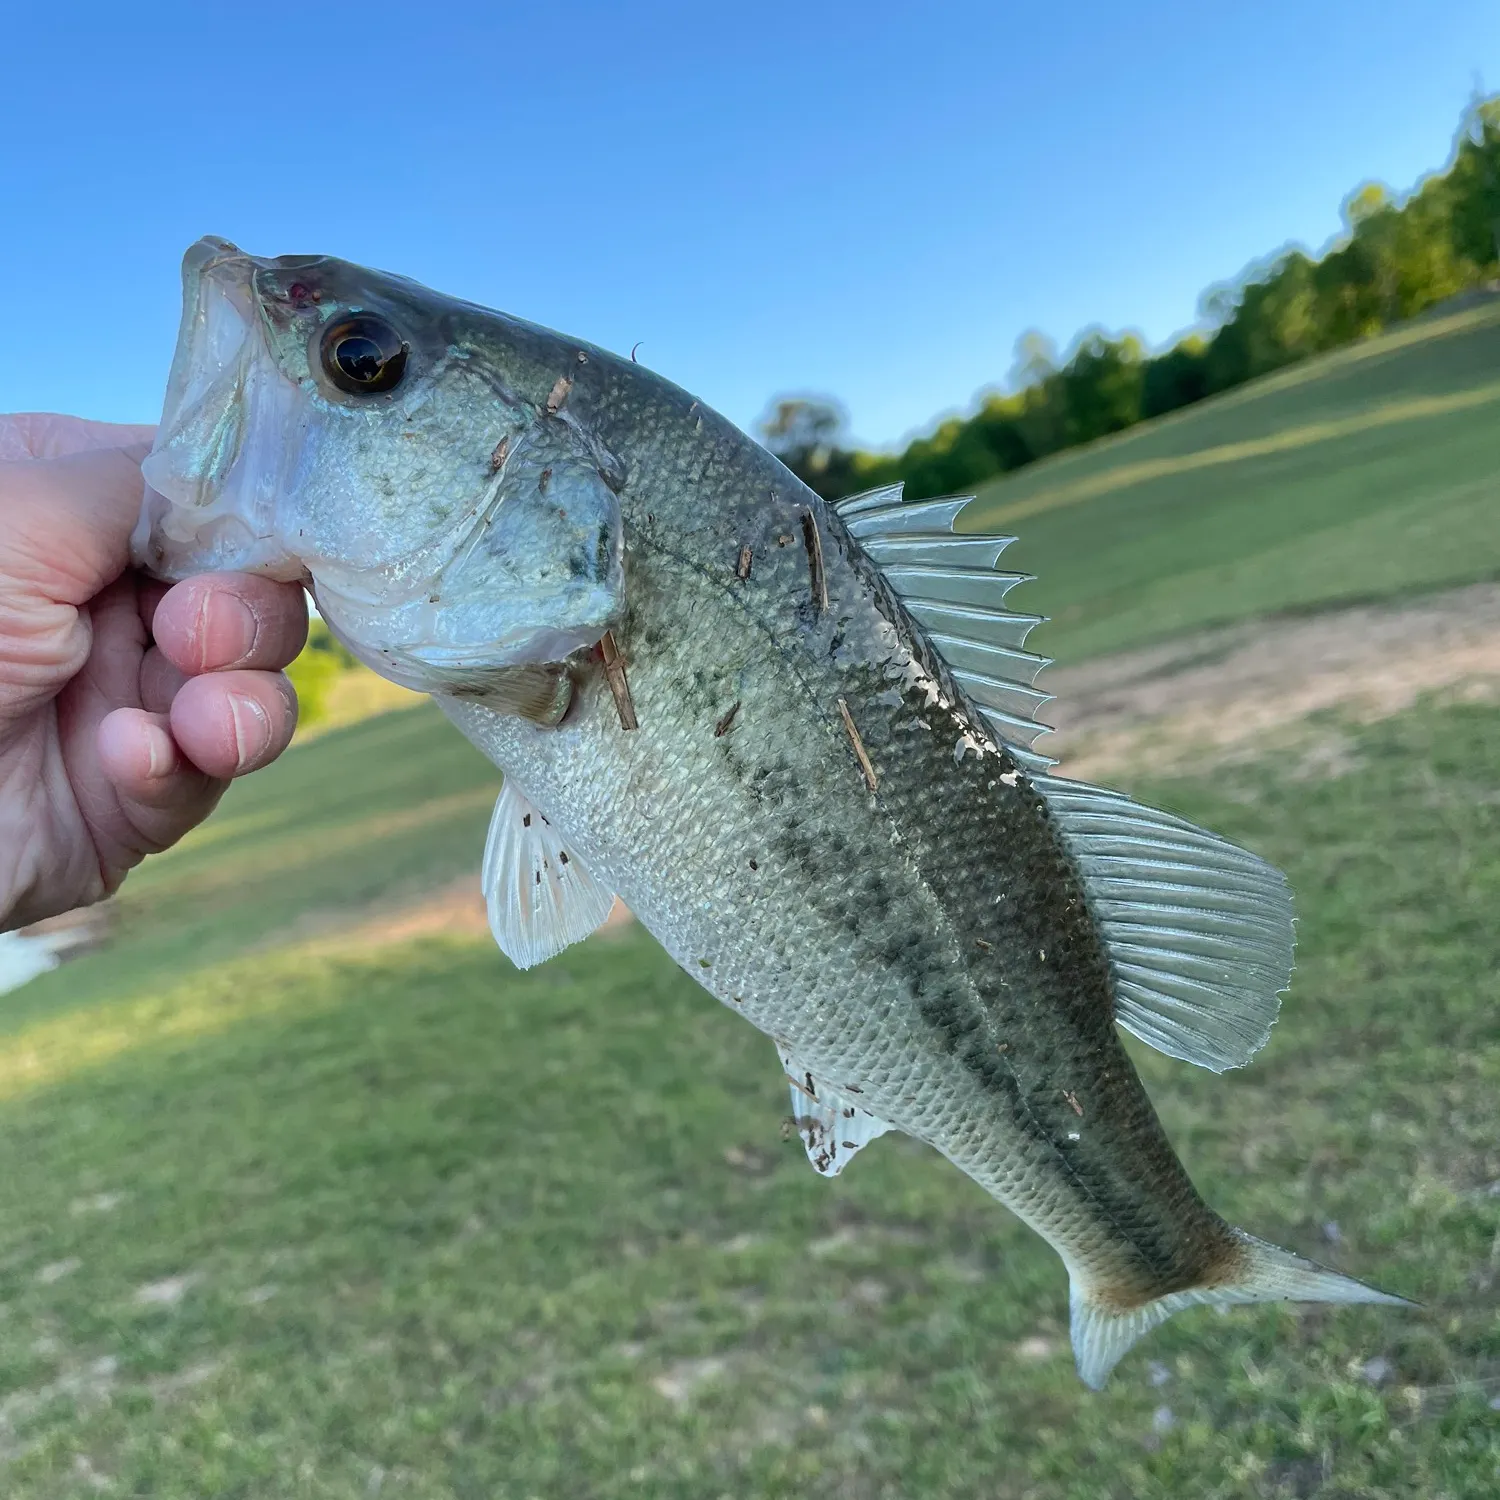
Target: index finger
(222,620)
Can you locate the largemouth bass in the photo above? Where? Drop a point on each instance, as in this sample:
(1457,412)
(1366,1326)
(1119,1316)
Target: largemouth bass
(796,738)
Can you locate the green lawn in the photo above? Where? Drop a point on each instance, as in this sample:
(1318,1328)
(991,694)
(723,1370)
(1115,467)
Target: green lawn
(1368,473)
(295,1205)
(324,1215)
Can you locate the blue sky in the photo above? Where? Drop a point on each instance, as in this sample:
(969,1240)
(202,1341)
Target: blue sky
(872,200)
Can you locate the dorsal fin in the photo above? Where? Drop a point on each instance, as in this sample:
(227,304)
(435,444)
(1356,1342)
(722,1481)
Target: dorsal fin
(1199,931)
(950,586)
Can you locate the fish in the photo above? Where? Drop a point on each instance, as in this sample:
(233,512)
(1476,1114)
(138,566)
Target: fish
(798,739)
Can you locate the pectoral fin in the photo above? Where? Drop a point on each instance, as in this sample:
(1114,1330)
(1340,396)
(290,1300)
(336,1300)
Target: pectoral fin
(540,693)
(540,897)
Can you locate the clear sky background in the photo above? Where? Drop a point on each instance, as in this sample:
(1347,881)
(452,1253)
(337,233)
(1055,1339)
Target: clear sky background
(870,200)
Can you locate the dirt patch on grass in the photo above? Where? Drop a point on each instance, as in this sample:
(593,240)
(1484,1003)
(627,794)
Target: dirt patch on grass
(1235,693)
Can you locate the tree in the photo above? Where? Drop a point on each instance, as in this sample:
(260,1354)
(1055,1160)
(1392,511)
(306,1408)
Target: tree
(1476,178)
(1099,389)
(804,432)
(1177,378)
(1034,360)
(1396,257)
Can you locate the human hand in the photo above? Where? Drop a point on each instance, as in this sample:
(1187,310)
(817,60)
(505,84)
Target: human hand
(125,705)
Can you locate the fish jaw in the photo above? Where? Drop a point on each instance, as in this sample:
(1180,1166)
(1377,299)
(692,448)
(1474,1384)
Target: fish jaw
(227,448)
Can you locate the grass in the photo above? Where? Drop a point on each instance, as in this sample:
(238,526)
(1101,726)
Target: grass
(295,1208)
(1365,474)
(304,1200)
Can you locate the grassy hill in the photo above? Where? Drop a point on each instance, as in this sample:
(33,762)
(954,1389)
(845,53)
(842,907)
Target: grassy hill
(1364,474)
(306,1194)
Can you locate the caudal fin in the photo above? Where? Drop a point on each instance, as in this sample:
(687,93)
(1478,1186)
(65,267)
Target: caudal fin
(1102,1335)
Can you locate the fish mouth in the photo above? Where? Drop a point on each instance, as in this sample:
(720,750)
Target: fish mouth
(224,450)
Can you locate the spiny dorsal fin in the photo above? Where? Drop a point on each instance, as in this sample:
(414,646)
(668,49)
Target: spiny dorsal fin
(831,1123)
(950,586)
(1199,931)
(539,896)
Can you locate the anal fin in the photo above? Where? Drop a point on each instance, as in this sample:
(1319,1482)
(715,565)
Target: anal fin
(833,1126)
(539,896)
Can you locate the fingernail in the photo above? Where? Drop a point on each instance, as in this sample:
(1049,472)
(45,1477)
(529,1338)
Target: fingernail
(159,753)
(252,729)
(227,628)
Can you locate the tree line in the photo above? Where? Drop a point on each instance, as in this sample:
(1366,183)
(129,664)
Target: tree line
(1396,258)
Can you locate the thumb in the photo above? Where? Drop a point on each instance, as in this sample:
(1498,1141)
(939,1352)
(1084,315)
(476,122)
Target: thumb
(66,522)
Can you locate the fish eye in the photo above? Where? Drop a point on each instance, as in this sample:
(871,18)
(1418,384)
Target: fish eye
(363,355)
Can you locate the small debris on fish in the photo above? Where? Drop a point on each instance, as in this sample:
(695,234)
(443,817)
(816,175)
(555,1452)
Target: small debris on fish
(619,686)
(818,580)
(860,753)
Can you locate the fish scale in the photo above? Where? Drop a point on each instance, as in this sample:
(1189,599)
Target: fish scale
(795,739)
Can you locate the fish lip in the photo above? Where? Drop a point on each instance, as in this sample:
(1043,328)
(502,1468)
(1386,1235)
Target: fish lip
(212,265)
(199,502)
(202,254)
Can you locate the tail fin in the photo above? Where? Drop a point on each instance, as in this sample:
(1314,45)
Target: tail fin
(1101,1336)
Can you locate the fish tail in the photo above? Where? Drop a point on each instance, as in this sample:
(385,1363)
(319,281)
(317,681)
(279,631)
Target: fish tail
(1103,1330)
